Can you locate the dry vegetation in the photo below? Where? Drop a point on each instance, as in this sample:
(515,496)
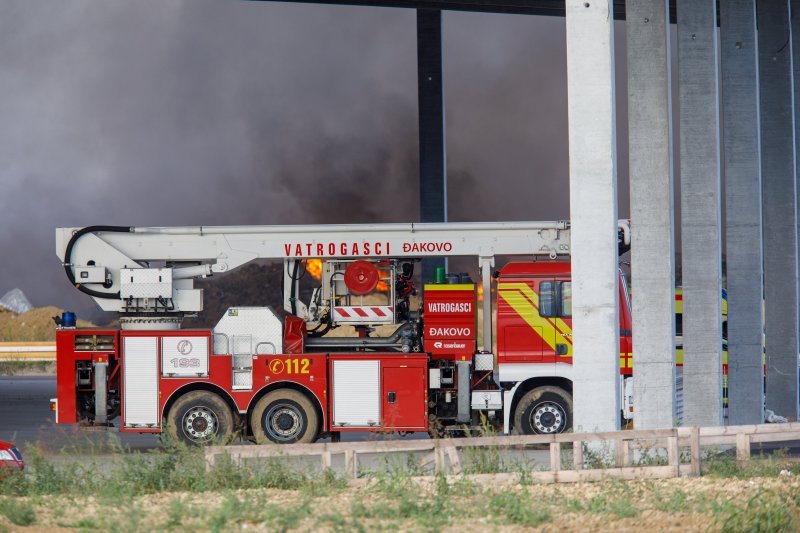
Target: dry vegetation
(172,491)
(34,326)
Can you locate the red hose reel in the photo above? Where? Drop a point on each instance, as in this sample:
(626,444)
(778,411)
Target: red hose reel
(361,277)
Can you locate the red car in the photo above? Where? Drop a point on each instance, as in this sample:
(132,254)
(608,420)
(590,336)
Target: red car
(10,456)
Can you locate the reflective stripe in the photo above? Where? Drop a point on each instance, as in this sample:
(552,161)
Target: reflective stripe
(522,299)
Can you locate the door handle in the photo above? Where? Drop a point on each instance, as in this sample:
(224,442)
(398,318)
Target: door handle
(392,397)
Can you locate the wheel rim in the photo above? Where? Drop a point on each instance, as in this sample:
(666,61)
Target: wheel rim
(548,417)
(200,424)
(283,422)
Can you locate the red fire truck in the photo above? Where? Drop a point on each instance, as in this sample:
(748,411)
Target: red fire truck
(411,360)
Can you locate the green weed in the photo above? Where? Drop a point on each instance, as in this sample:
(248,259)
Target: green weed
(20,513)
(763,512)
(17,368)
(675,502)
(726,465)
(517,507)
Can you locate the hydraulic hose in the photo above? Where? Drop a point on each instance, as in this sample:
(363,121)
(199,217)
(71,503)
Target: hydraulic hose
(68,259)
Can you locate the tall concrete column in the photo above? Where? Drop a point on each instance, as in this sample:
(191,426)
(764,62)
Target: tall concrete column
(652,212)
(593,213)
(779,205)
(739,74)
(700,213)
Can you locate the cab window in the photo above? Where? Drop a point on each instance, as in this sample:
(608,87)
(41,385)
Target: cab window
(566,298)
(547,299)
(555,299)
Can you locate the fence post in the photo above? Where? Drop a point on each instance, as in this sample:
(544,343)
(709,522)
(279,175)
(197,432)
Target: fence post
(326,460)
(210,458)
(455,462)
(673,454)
(742,447)
(555,456)
(577,455)
(694,442)
(349,460)
(438,458)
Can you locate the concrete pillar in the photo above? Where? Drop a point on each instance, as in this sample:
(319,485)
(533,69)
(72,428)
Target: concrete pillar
(795,26)
(741,151)
(432,158)
(779,204)
(700,213)
(593,213)
(652,212)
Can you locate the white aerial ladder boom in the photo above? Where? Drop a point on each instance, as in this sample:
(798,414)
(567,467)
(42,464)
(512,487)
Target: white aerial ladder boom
(150,270)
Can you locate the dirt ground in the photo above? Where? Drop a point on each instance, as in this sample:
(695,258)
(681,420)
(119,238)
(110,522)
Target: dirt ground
(34,326)
(686,504)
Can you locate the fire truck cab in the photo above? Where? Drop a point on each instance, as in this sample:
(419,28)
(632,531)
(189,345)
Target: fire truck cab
(412,361)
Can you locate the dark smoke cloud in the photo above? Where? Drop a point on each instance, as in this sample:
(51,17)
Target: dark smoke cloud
(223,112)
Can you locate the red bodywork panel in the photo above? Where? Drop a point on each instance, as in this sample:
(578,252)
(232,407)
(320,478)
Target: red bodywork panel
(450,321)
(532,327)
(402,386)
(404,374)
(66,368)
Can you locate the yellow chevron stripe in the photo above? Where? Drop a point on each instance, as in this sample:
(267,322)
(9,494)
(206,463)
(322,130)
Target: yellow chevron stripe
(561,326)
(524,301)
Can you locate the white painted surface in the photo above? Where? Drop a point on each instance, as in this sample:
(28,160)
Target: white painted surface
(184,356)
(140,381)
(356,393)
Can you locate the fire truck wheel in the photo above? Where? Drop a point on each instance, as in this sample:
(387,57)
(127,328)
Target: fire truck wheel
(199,418)
(284,416)
(543,410)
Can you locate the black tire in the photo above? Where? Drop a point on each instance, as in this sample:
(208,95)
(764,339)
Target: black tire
(543,410)
(284,416)
(200,418)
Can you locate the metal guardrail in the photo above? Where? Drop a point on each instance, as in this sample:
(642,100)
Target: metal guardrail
(444,453)
(27,351)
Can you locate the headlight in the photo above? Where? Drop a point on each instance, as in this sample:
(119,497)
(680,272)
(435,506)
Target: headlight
(5,455)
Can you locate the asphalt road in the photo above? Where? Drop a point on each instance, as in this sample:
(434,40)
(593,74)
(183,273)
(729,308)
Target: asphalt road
(26,419)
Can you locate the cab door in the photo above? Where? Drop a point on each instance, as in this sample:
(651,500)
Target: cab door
(526,332)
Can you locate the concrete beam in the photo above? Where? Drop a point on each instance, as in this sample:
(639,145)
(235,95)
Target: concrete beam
(779,206)
(700,212)
(739,53)
(652,212)
(593,213)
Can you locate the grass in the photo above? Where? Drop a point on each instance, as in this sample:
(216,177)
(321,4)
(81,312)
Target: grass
(18,513)
(765,511)
(513,507)
(171,490)
(22,368)
(725,465)
(181,469)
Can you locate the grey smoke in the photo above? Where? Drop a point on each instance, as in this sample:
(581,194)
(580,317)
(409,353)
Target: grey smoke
(225,112)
